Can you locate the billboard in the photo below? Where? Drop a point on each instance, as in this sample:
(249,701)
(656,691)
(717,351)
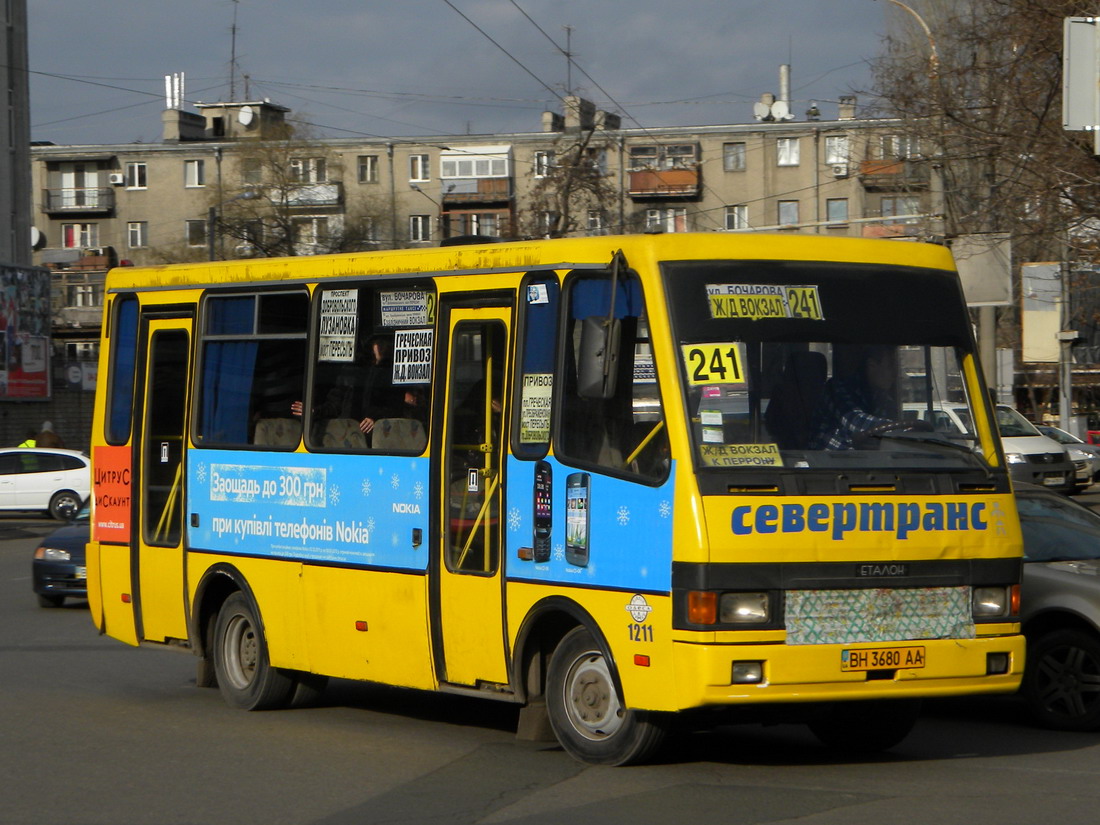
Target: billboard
(24,333)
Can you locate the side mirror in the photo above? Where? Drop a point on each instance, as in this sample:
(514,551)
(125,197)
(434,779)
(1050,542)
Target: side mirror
(599,357)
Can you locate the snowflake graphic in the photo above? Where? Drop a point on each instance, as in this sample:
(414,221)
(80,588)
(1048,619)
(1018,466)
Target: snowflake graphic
(334,494)
(202,471)
(365,487)
(665,509)
(395,481)
(514,520)
(370,525)
(559,552)
(623,515)
(418,490)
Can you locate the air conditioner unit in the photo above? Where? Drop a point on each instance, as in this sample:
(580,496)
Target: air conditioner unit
(840,170)
(116,178)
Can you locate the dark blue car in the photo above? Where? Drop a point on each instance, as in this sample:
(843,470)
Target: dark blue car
(58,568)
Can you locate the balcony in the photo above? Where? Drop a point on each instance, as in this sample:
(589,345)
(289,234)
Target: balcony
(664,183)
(78,201)
(477,190)
(315,194)
(893,174)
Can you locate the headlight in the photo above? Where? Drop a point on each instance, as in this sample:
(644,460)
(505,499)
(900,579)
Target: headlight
(743,608)
(52,554)
(1015,458)
(992,601)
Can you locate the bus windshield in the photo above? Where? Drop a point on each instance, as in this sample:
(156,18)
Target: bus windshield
(807,365)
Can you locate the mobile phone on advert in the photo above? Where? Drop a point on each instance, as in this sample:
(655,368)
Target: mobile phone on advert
(577,506)
(543,511)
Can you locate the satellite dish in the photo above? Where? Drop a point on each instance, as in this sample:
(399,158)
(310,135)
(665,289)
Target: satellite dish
(38,239)
(780,110)
(245,116)
(761,111)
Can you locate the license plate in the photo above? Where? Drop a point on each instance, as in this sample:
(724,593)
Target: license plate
(881,658)
(82,572)
(1055,480)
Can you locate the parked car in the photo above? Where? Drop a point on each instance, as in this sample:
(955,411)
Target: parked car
(1031,456)
(1085,456)
(57,570)
(1060,609)
(38,478)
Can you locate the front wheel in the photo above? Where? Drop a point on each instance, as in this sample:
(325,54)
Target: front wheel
(865,727)
(64,505)
(1062,680)
(585,713)
(245,677)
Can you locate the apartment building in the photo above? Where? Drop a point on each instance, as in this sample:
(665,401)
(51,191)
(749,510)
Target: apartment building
(211,189)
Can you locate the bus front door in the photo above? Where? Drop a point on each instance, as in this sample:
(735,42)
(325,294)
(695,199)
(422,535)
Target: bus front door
(468,624)
(159,450)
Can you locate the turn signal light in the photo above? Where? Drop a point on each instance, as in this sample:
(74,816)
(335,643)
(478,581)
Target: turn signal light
(702,607)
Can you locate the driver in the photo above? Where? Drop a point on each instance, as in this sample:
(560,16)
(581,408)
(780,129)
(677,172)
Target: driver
(859,405)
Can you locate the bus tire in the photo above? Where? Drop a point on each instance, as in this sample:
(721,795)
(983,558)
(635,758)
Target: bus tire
(1062,680)
(865,727)
(585,713)
(246,678)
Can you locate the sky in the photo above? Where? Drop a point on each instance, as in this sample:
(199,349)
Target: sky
(413,68)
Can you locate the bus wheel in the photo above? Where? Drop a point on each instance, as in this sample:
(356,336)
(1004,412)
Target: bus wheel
(584,709)
(245,677)
(865,726)
(1062,680)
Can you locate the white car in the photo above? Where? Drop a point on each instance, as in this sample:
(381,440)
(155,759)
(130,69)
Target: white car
(39,478)
(1085,456)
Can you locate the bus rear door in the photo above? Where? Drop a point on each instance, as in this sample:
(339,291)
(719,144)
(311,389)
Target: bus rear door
(159,451)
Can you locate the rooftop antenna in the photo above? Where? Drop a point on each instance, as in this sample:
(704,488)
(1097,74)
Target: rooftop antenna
(233,55)
(568,60)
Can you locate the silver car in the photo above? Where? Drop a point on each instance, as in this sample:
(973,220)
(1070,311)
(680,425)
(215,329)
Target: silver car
(1060,609)
(1085,456)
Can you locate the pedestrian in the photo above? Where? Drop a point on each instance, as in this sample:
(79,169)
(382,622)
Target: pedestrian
(48,438)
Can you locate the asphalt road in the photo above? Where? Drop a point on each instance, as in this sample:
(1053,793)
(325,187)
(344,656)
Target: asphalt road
(93,732)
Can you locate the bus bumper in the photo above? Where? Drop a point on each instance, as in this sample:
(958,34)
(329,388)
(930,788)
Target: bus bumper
(716,674)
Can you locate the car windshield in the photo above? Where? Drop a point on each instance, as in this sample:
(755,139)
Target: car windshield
(1012,424)
(1057,529)
(811,365)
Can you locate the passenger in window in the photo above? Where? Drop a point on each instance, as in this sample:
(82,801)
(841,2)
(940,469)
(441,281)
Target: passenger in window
(860,405)
(363,391)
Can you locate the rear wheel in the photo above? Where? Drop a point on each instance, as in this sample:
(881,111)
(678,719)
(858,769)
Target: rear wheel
(584,708)
(1062,680)
(866,727)
(64,505)
(246,678)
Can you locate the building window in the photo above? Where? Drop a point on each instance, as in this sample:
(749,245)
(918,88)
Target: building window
(79,235)
(544,164)
(737,217)
(788,213)
(733,157)
(196,233)
(308,170)
(899,146)
(420,226)
(665,156)
(251,171)
(311,234)
(787,151)
(643,157)
(137,234)
(836,149)
(136,176)
(595,223)
(666,220)
(194,173)
(900,206)
(470,165)
(368,168)
(419,168)
(836,210)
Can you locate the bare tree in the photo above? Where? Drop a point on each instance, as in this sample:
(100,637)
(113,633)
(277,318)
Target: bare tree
(284,197)
(572,188)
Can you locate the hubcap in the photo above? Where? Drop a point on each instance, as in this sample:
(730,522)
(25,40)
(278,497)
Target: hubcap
(590,698)
(241,652)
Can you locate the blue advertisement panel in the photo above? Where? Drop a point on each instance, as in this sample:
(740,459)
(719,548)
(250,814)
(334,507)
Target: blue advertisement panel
(343,509)
(583,528)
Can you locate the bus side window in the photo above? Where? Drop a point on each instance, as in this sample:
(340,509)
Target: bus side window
(253,367)
(625,432)
(538,335)
(120,399)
